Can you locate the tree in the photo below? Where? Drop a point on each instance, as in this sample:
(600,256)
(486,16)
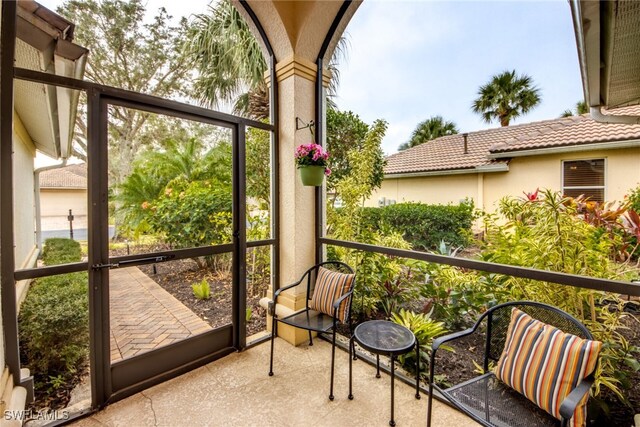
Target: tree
(355,186)
(230,65)
(580,108)
(432,128)
(228,59)
(345,132)
(259,167)
(505,97)
(127,53)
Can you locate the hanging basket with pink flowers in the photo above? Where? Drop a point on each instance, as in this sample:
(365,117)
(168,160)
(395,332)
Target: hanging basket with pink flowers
(312,161)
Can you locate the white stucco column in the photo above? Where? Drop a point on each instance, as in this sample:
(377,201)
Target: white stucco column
(296,86)
(296,33)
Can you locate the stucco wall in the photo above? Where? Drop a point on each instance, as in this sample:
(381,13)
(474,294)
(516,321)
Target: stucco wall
(622,172)
(23,198)
(432,190)
(55,205)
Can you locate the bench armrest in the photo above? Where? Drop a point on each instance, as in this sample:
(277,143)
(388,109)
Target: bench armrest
(279,291)
(450,337)
(569,404)
(271,308)
(337,303)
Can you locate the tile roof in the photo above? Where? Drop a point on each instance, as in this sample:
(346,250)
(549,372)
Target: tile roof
(71,176)
(447,152)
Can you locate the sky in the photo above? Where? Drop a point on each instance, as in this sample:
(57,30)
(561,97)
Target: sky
(410,60)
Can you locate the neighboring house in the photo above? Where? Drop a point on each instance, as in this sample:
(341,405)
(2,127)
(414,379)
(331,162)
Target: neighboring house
(575,155)
(44,118)
(61,190)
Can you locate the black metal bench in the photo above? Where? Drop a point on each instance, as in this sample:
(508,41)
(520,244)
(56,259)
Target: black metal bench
(486,399)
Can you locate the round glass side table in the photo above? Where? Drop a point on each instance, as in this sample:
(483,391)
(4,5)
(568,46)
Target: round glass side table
(382,337)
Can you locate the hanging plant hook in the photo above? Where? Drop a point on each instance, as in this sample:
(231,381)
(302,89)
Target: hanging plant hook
(300,124)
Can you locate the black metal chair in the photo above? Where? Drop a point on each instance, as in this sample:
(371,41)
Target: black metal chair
(312,320)
(486,399)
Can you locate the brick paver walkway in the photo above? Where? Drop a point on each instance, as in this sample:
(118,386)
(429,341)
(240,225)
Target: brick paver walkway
(144,316)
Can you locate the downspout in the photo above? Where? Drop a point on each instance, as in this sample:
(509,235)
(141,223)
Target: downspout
(596,114)
(320,115)
(36,185)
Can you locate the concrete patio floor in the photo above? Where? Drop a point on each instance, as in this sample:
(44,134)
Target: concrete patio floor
(236,391)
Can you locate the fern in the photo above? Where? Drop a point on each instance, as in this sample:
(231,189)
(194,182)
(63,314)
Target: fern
(201,290)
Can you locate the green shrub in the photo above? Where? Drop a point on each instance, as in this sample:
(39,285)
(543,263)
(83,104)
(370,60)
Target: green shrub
(61,251)
(424,226)
(193,214)
(54,324)
(634,199)
(54,321)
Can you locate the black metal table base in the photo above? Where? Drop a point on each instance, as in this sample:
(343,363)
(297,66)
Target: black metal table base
(392,354)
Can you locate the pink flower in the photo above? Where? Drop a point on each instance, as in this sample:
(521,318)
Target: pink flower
(145,205)
(311,155)
(327,171)
(532,197)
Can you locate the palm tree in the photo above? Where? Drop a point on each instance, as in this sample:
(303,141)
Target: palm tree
(580,108)
(230,64)
(188,160)
(505,97)
(432,128)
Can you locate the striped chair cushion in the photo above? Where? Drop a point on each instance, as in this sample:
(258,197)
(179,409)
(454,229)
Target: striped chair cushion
(331,285)
(545,364)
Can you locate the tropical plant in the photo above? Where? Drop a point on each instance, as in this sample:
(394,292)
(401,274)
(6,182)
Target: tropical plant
(188,160)
(201,290)
(633,198)
(549,233)
(505,97)
(356,187)
(259,257)
(457,297)
(346,223)
(229,60)
(580,108)
(258,168)
(227,57)
(432,128)
(425,329)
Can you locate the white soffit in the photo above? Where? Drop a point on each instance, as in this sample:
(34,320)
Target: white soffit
(32,102)
(624,75)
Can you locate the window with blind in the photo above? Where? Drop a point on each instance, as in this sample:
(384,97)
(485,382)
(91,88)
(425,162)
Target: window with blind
(583,177)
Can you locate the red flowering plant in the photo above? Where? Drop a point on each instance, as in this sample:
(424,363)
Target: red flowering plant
(312,155)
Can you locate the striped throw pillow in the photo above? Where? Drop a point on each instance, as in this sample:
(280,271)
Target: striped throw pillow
(331,285)
(545,364)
